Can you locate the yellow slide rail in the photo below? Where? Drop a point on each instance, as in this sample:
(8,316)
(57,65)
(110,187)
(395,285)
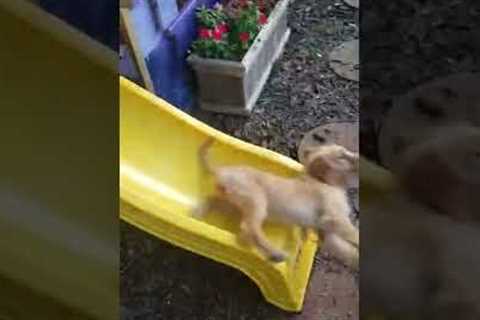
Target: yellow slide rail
(161,181)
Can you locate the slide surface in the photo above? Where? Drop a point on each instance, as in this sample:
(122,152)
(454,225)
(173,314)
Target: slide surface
(161,181)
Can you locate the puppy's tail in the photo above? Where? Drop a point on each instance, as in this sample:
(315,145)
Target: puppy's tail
(203,155)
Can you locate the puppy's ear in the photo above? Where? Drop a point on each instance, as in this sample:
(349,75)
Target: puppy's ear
(319,167)
(325,166)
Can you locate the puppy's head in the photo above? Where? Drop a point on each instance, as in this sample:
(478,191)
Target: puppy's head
(332,163)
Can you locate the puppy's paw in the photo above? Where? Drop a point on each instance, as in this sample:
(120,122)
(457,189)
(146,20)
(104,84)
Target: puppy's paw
(278,257)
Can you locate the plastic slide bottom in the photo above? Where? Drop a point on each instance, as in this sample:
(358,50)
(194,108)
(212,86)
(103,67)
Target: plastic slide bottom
(161,181)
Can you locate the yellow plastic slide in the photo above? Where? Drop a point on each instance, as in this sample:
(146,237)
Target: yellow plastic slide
(161,181)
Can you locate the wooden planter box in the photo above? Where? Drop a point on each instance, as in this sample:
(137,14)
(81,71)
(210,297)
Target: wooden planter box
(234,87)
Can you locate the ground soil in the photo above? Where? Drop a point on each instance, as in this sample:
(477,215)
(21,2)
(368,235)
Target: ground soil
(159,281)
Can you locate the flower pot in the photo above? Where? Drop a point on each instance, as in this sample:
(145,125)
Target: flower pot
(234,86)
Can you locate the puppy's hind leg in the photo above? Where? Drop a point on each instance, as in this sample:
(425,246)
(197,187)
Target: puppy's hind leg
(201,209)
(258,236)
(252,203)
(254,225)
(215,202)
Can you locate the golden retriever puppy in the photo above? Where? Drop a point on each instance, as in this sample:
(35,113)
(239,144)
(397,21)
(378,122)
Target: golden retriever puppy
(315,200)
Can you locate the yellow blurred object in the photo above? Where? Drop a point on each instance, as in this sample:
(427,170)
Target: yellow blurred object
(161,181)
(375,182)
(58,232)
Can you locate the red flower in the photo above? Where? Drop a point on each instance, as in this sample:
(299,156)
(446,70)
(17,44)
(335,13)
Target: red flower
(223,27)
(205,33)
(262,19)
(217,33)
(243,3)
(244,36)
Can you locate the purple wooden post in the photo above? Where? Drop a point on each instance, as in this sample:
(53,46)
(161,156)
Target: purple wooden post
(149,19)
(167,63)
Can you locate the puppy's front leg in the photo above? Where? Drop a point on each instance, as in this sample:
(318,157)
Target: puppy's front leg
(352,156)
(342,227)
(348,232)
(342,250)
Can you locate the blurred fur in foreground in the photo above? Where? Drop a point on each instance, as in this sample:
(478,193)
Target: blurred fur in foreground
(420,257)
